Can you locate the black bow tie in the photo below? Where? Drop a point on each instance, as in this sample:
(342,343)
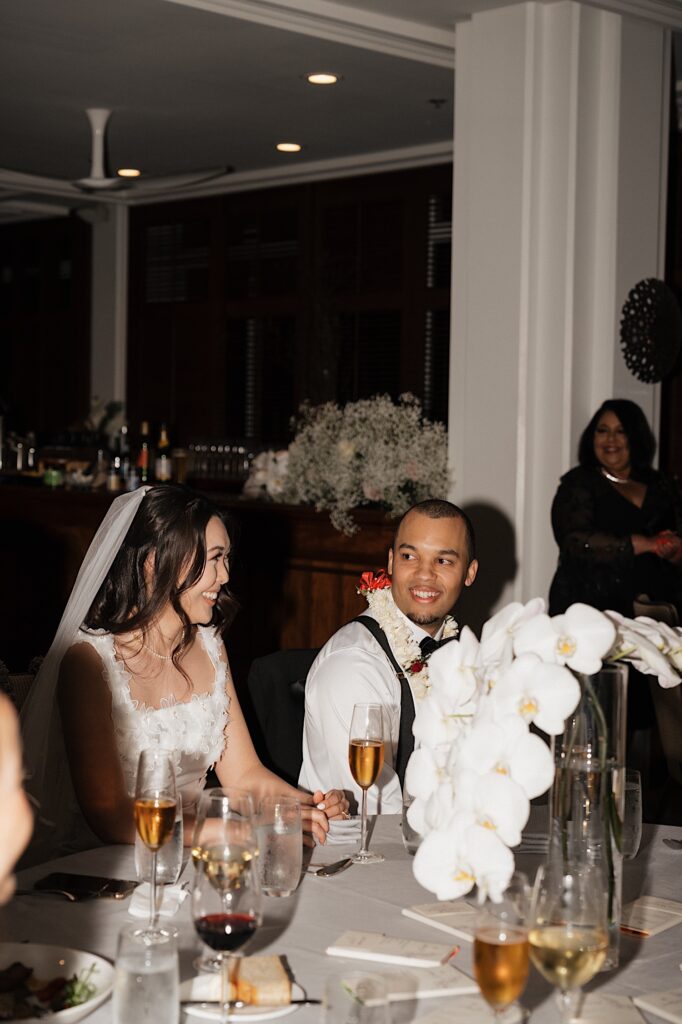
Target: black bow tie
(428,645)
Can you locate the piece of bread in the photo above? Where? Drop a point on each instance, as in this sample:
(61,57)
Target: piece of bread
(262,981)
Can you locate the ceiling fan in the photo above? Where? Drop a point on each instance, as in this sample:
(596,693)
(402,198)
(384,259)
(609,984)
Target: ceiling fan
(99,182)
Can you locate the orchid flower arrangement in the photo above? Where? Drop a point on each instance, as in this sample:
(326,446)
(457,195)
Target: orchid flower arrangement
(476,764)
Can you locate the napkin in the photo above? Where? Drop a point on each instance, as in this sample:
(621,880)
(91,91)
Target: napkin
(173,896)
(344,831)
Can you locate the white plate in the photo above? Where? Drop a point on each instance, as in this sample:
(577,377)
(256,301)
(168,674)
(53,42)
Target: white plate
(55,961)
(250,1013)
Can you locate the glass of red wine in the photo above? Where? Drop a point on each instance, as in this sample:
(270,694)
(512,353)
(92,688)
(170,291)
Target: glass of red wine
(227,907)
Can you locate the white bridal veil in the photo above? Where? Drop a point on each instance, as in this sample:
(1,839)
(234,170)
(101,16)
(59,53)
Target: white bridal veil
(48,777)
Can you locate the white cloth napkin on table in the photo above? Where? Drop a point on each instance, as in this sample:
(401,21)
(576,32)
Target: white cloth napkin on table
(343,831)
(171,900)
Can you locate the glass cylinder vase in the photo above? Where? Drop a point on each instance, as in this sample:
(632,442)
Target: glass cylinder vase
(588,794)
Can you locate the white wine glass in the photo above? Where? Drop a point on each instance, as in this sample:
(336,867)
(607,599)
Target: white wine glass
(223,813)
(226,908)
(366,759)
(501,960)
(156,805)
(568,933)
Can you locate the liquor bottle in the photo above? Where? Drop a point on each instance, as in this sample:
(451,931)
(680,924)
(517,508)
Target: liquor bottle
(162,466)
(143,455)
(122,442)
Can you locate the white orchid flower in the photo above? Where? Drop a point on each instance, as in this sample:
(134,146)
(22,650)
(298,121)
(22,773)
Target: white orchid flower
(667,638)
(426,770)
(497,635)
(538,692)
(498,804)
(452,669)
(439,718)
(580,638)
(436,812)
(636,643)
(509,749)
(449,862)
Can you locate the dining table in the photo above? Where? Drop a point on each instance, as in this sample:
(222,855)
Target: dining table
(361,898)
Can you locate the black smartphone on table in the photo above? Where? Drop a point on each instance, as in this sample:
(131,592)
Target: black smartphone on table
(85,887)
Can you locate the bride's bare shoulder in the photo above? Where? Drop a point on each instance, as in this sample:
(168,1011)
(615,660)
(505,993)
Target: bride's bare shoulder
(81,661)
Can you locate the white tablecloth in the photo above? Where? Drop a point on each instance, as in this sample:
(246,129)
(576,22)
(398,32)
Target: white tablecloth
(362,898)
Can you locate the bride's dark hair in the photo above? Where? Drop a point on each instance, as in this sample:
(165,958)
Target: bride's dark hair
(170,526)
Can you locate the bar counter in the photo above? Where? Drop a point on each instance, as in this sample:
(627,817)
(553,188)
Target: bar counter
(293,573)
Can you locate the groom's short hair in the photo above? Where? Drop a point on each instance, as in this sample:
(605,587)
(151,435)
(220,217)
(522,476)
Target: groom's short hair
(439,508)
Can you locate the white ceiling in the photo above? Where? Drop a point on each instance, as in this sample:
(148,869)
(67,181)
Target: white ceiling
(207,83)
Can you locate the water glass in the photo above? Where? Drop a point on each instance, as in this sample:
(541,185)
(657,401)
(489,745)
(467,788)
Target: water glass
(632,820)
(356,997)
(146,983)
(280,845)
(411,838)
(168,858)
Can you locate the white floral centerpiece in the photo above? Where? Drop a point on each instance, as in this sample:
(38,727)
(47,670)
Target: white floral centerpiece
(374,451)
(476,764)
(267,475)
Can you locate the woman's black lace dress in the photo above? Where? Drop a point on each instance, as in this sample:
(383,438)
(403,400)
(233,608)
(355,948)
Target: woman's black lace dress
(592,525)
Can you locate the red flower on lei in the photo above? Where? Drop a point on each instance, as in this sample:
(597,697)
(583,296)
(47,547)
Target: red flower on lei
(369,581)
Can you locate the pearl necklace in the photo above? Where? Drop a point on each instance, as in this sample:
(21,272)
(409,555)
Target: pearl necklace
(614,479)
(162,657)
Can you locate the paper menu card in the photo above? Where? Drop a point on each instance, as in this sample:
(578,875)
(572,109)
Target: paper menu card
(469,1010)
(667,1005)
(452,916)
(419,984)
(388,950)
(651,915)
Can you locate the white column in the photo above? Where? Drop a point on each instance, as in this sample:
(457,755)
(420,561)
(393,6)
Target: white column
(109,318)
(558,182)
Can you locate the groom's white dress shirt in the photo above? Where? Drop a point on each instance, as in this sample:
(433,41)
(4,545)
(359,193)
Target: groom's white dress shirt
(351,669)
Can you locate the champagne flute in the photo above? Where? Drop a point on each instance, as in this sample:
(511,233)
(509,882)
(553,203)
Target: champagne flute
(226,907)
(366,758)
(156,805)
(569,935)
(501,947)
(218,809)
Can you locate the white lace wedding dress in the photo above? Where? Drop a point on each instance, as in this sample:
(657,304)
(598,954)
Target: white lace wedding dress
(194,729)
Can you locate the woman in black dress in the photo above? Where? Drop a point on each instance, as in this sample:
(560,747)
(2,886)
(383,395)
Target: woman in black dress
(617,521)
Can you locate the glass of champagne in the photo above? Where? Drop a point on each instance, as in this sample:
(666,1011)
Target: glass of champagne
(222,812)
(156,806)
(568,933)
(501,947)
(226,907)
(366,758)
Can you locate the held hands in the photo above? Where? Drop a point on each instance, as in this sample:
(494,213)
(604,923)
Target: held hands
(317,809)
(668,545)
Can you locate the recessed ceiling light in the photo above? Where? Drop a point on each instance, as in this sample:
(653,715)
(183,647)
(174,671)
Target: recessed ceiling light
(323,78)
(128,172)
(289,147)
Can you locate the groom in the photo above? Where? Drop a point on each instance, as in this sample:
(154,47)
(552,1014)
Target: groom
(431,559)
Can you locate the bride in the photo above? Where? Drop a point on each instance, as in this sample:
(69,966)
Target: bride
(138,659)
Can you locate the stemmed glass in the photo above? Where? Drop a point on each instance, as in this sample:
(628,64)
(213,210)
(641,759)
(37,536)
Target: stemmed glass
(226,905)
(366,758)
(156,806)
(501,947)
(569,935)
(220,808)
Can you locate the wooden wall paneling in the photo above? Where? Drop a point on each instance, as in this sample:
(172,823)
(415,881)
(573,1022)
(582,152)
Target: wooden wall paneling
(45,323)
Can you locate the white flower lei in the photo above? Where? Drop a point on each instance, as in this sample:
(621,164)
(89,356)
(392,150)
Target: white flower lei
(403,642)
